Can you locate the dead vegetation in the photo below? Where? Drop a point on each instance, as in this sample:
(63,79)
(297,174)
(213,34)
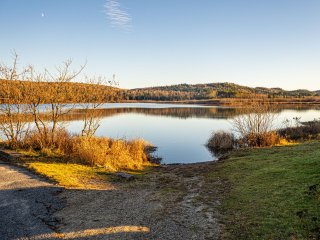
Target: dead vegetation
(46,98)
(114,155)
(221,141)
(253,129)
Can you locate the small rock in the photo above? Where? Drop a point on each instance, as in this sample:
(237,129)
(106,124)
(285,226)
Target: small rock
(124,175)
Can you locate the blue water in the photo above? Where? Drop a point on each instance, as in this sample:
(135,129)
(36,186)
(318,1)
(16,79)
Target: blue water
(179,131)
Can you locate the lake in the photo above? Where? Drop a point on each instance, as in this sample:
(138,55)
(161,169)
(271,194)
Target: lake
(179,131)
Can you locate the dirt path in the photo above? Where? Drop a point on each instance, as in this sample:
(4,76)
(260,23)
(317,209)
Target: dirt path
(27,203)
(171,203)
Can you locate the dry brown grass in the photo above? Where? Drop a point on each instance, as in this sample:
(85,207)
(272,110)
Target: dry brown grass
(266,139)
(113,154)
(35,141)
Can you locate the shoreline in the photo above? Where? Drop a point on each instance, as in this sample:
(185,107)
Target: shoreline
(201,200)
(231,102)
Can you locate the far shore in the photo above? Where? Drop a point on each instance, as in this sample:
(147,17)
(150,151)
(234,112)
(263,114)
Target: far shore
(235,102)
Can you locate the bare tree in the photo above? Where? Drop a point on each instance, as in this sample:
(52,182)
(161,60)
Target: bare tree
(12,107)
(94,97)
(257,125)
(52,94)
(47,97)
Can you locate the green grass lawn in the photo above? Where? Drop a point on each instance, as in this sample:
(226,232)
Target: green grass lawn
(271,193)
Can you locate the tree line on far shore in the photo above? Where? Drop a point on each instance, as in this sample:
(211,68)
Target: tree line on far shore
(182,92)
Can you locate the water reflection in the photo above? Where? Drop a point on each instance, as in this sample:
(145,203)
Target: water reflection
(179,131)
(181,111)
(184,113)
(168,110)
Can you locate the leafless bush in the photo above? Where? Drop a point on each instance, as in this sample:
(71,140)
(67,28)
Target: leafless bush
(54,101)
(221,141)
(93,98)
(12,125)
(256,129)
(47,97)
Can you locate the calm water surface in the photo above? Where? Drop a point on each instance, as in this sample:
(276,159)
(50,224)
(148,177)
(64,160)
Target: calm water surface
(179,131)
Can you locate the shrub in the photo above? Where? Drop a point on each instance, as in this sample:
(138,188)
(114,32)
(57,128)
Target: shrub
(302,131)
(256,129)
(266,139)
(256,123)
(221,141)
(87,150)
(113,154)
(34,140)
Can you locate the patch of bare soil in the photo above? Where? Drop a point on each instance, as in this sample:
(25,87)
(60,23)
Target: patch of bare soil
(172,202)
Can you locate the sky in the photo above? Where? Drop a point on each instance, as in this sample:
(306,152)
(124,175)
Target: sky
(269,43)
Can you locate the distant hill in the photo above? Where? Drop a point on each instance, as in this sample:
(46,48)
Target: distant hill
(212,90)
(73,92)
(83,92)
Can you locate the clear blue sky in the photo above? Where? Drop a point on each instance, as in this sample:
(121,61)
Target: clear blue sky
(160,42)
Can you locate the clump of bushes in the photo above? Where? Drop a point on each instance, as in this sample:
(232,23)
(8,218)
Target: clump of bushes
(301,131)
(47,140)
(263,139)
(113,154)
(221,141)
(256,131)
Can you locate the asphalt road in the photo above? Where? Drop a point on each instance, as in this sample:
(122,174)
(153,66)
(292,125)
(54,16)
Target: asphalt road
(27,204)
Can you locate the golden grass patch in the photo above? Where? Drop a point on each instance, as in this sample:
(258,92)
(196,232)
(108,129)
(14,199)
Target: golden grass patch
(74,175)
(112,154)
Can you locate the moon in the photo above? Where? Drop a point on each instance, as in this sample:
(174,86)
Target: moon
(42,15)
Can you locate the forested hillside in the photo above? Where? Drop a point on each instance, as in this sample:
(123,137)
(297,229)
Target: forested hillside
(212,90)
(25,91)
(86,92)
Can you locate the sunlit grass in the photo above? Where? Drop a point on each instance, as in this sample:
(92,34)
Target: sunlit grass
(73,175)
(285,142)
(271,193)
(99,232)
(88,163)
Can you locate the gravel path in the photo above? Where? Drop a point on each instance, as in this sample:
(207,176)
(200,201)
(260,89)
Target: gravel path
(27,204)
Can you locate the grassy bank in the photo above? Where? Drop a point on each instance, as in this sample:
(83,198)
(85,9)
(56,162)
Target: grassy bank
(71,175)
(82,162)
(271,193)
